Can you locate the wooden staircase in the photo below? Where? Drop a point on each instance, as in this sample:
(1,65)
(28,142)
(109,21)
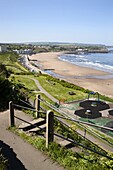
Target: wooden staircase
(33,126)
(39,125)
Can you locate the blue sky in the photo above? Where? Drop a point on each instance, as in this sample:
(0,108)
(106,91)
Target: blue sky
(79,21)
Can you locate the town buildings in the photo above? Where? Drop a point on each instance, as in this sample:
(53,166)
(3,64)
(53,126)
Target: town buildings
(24,51)
(3,48)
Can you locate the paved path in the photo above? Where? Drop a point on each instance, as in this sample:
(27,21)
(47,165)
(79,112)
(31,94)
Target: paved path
(21,155)
(93,139)
(44,91)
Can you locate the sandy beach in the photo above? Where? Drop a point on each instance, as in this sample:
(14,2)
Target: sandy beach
(82,76)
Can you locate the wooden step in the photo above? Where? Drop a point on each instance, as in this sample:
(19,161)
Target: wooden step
(31,123)
(38,128)
(76,149)
(64,143)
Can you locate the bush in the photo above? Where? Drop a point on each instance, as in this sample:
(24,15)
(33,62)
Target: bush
(3,162)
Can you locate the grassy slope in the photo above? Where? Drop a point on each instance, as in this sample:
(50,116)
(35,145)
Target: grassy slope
(26,81)
(11,62)
(60,92)
(56,90)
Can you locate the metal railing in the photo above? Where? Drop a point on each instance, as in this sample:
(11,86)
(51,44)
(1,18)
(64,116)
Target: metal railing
(50,122)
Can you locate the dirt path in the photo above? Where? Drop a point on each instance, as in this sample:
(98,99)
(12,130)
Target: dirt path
(21,155)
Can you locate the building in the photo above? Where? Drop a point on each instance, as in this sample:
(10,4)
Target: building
(3,48)
(25,51)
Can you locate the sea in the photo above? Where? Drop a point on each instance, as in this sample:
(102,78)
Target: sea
(98,61)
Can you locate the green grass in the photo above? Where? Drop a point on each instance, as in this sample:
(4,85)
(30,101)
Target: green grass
(16,68)
(3,162)
(26,81)
(60,92)
(21,67)
(10,60)
(43,96)
(13,69)
(65,157)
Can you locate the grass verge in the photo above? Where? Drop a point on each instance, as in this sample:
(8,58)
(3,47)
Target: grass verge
(65,157)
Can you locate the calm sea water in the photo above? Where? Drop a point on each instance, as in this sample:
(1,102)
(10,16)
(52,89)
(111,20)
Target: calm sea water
(99,61)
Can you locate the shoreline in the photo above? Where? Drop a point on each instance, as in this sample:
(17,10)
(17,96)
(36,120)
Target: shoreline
(85,77)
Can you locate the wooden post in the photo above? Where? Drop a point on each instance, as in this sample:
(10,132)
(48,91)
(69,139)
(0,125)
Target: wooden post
(37,105)
(11,109)
(49,127)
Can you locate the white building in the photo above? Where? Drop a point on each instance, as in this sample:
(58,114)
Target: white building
(3,48)
(25,51)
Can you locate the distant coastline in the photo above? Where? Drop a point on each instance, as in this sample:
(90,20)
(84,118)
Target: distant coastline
(89,51)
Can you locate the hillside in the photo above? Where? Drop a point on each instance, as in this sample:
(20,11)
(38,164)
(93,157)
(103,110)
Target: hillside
(14,85)
(9,90)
